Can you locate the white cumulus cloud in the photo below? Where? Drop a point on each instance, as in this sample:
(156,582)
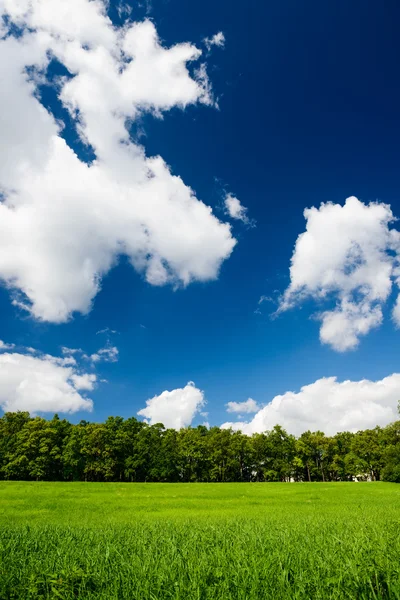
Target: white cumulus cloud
(348,254)
(330,406)
(249,406)
(175,408)
(43,384)
(87,381)
(64,222)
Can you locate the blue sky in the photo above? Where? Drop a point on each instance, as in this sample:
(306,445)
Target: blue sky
(308,97)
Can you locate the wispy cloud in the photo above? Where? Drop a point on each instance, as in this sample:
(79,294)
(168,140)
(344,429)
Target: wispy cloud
(216,40)
(107,331)
(4,347)
(235,209)
(106,354)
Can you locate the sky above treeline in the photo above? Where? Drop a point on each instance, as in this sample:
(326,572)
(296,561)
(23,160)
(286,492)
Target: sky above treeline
(198,212)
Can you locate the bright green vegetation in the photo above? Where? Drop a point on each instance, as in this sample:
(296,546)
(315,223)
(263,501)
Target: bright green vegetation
(234,541)
(36,449)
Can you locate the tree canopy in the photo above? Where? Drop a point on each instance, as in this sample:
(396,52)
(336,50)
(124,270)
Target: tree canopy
(34,448)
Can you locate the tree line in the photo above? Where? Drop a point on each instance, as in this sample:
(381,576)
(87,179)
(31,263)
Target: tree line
(34,448)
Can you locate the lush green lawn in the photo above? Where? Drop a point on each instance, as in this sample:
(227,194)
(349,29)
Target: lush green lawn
(199,541)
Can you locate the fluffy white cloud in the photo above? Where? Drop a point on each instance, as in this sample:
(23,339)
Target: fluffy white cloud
(175,409)
(42,384)
(236,210)
(249,406)
(217,39)
(37,382)
(330,406)
(64,222)
(87,381)
(350,254)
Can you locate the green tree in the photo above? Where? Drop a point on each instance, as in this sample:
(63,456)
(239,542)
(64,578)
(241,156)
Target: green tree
(130,450)
(340,448)
(368,447)
(38,450)
(391,453)
(194,454)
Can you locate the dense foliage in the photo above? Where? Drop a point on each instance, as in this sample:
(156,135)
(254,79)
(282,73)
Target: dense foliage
(130,450)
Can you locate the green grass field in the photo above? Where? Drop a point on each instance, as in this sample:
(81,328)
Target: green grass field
(199,541)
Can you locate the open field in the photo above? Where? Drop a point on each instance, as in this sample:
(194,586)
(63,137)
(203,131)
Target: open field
(199,541)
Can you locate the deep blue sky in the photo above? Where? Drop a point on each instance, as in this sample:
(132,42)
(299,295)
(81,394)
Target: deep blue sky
(309,99)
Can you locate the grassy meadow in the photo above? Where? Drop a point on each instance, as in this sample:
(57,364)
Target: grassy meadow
(199,541)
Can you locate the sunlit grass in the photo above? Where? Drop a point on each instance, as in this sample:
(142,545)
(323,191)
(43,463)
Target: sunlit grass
(199,541)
